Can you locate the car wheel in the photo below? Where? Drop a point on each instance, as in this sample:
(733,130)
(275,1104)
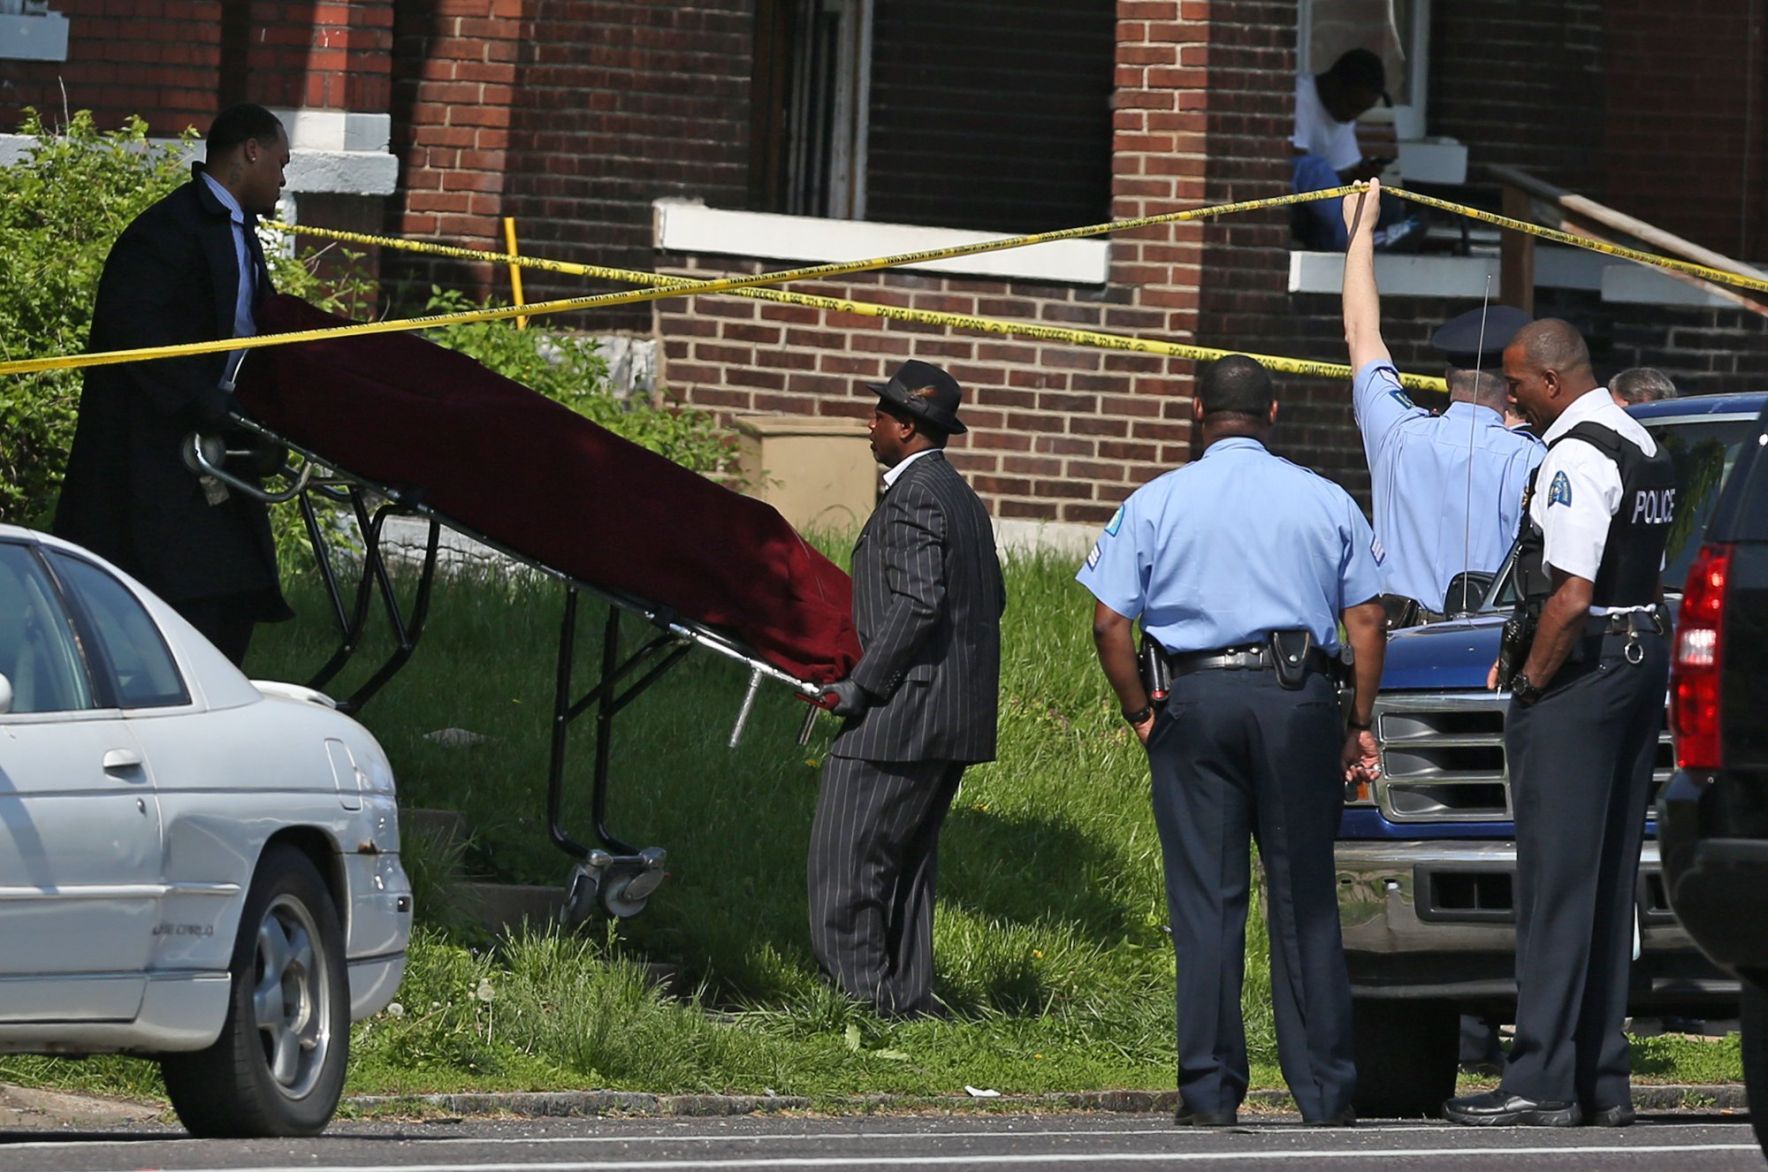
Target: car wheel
(1754,1022)
(1407,1056)
(278,1067)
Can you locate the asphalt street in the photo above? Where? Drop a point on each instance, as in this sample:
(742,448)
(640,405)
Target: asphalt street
(1095,1143)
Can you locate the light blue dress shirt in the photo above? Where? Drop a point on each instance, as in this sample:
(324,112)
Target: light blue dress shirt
(1232,546)
(244,325)
(1447,488)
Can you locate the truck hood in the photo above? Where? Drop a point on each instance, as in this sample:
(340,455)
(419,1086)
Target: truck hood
(1454,655)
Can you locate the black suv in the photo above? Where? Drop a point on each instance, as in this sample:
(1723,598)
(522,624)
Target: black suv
(1713,816)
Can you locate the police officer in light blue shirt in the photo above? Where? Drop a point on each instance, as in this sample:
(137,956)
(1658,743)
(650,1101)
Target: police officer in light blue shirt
(1241,566)
(1447,488)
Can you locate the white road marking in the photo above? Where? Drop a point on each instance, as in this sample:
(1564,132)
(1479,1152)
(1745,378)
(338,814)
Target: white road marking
(973,1160)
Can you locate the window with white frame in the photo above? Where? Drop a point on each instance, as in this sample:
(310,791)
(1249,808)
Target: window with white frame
(1397,30)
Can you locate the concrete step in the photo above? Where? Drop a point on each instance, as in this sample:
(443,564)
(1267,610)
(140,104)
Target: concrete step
(447,828)
(503,907)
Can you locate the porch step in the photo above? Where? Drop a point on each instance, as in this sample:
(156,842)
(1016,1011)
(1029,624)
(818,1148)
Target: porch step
(447,828)
(503,908)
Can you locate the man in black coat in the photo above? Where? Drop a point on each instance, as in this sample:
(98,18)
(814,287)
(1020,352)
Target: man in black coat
(920,704)
(188,269)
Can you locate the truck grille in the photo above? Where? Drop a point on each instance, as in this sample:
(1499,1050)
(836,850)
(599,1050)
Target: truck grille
(1442,758)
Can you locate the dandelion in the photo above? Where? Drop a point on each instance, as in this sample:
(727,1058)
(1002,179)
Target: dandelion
(395,1010)
(485,992)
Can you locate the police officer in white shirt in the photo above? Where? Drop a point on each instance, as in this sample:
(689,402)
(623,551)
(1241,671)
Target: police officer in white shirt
(1580,736)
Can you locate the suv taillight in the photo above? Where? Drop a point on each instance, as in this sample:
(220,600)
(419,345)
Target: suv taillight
(1694,669)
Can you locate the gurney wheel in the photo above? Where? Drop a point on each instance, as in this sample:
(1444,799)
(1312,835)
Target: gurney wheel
(581,892)
(628,886)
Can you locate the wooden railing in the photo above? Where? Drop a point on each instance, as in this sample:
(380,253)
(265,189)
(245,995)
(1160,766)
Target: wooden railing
(1528,198)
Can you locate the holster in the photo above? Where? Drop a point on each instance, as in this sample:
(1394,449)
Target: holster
(1290,658)
(1514,643)
(1156,671)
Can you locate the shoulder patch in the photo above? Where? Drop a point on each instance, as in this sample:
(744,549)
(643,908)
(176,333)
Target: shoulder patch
(1561,491)
(1116,522)
(1402,398)
(1094,556)
(1377,550)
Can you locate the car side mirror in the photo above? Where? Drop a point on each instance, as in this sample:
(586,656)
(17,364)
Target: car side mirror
(1466,591)
(5,694)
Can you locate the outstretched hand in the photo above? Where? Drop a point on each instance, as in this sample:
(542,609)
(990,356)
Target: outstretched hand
(1362,209)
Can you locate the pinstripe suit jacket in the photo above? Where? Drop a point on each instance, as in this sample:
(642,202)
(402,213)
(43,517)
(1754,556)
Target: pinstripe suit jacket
(927,603)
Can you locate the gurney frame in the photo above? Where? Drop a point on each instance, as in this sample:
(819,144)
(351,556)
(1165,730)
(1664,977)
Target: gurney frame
(614,873)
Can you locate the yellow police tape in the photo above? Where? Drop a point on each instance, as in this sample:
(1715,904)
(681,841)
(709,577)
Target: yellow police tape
(691,288)
(1093,338)
(662,287)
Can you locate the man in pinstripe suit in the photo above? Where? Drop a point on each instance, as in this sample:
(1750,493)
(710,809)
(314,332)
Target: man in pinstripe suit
(920,704)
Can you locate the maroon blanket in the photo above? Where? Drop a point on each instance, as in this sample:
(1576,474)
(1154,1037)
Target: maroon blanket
(544,481)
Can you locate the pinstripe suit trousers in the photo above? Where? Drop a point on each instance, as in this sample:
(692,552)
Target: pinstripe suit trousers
(873,874)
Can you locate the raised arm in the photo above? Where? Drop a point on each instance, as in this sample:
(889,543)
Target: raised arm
(1362,303)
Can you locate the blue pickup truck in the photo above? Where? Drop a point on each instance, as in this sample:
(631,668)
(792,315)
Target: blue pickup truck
(1427,855)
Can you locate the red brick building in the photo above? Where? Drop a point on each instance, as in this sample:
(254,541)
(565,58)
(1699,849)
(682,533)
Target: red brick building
(822,130)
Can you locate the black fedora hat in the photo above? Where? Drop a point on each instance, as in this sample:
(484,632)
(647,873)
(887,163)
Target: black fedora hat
(925,392)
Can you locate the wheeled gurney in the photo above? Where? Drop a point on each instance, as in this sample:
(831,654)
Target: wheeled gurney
(391,424)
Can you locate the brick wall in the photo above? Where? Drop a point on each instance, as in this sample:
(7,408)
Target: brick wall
(1686,136)
(1520,82)
(454,70)
(160,61)
(177,62)
(571,116)
(1058,432)
(317,54)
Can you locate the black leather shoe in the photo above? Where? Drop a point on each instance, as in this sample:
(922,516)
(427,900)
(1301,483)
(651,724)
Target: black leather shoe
(1620,1115)
(1501,1109)
(1186,1117)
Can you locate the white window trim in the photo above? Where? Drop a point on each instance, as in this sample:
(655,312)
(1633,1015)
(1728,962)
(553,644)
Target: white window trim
(1620,282)
(689,227)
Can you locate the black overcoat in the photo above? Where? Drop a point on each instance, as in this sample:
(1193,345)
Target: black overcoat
(171,277)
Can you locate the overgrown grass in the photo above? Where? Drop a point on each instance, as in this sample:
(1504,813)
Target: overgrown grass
(1051,938)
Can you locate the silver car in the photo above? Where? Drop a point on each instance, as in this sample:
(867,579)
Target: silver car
(193,867)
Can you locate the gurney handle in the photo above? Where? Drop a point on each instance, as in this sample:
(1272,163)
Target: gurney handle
(197,458)
(748,706)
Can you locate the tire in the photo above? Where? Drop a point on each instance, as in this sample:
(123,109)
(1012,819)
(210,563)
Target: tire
(1408,1054)
(1754,1022)
(278,1067)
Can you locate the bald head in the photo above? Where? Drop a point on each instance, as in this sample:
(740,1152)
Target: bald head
(1547,368)
(1553,344)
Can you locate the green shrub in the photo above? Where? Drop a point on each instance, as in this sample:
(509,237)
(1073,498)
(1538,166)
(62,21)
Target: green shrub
(61,209)
(566,368)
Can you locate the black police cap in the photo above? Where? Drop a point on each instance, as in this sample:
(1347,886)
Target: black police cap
(1460,340)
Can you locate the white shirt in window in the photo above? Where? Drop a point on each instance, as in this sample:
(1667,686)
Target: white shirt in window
(1319,133)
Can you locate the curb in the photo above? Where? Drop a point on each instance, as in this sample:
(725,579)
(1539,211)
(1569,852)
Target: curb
(1647,1098)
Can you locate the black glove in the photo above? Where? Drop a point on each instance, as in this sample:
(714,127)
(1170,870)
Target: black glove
(850,698)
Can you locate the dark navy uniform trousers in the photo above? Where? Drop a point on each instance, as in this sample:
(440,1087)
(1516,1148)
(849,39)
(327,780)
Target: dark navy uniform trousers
(1580,762)
(1235,755)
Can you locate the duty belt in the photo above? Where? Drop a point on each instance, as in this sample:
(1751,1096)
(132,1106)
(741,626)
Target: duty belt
(1628,622)
(1249,657)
